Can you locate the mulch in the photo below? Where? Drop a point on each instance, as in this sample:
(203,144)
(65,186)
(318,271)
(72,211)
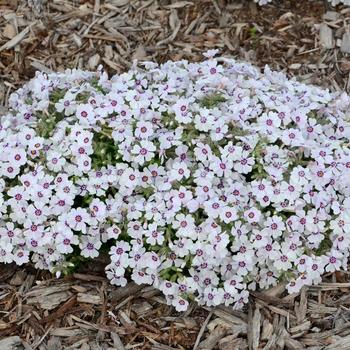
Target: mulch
(83,311)
(307,40)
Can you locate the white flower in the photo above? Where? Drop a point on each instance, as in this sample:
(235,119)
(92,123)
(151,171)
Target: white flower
(144,130)
(9,170)
(98,209)
(283,262)
(300,176)
(263,2)
(341,224)
(143,152)
(228,215)
(274,226)
(130,178)
(252,215)
(38,213)
(89,246)
(85,114)
(202,152)
(210,53)
(181,110)
(17,157)
(206,179)
(141,277)
(115,279)
(154,236)
(184,225)
(214,207)
(120,250)
(77,219)
(20,256)
(213,297)
(244,164)
(204,120)
(179,171)
(221,166)
(6,255)
(334,261)
(65,240)
(55,161)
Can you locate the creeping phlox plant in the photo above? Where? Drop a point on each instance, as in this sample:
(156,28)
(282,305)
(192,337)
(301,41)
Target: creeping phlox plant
(204,180)
(333,2)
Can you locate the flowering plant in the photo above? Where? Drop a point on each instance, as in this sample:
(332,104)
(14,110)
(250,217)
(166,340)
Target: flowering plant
(204,180)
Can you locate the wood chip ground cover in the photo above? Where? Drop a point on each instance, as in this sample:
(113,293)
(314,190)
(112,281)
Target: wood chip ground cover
(306,39)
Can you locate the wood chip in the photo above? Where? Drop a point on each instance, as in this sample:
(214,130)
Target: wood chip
(212,340)
(255,329)
(66,332)
(39,66)
(117,341)
(89,298)
(231,342)
(18,278)
(326,36)
(119,3)
(50,301)
(9,31)
(267,330)
(331,16)
(94,61)
(125,319)
(141,309)
(345,43)
(16,40)
(179,4)
(202,330)
(11,343)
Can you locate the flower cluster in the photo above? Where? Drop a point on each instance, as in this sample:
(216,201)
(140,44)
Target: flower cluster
(205,180)
(333,2)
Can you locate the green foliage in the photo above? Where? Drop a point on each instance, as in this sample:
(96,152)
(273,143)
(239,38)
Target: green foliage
(47,120)
(212,100)
(105,149)
(324,247)
(254,37)
(95,83)
(253,32)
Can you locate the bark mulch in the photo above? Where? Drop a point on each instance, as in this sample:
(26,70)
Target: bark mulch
(306,39)
(83,311)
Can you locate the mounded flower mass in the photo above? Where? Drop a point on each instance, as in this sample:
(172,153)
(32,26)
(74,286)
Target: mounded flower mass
(205,180)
